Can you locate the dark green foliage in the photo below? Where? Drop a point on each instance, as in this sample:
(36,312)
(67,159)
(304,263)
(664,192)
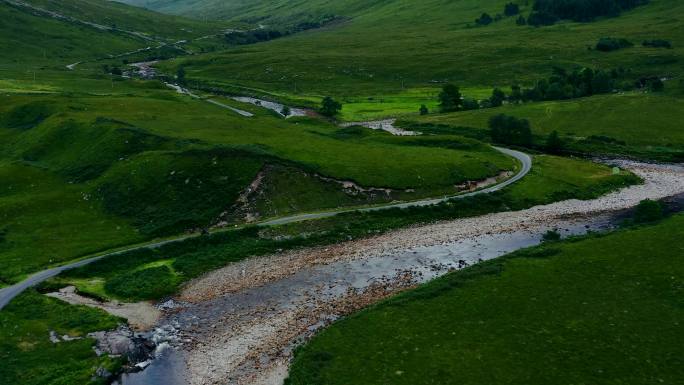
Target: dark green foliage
(657,43)
(578,83)
(423,109)
(140,285)
(554,144)
(551,236)
(607,44)
(511,9)
(330,107)
(285,111)
(656,85)
(470,104)
(649,211)
(484,19)
(26,116)
(180,75)
(521,20)
(510,130)
(251,37)
(172,192)
(449,98)
(497,98)
(546,12)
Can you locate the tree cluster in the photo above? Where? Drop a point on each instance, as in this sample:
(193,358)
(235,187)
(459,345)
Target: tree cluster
(259,35)
(547,12)
(568,85)
(510,130)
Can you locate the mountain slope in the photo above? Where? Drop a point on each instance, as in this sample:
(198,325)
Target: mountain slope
(416,44)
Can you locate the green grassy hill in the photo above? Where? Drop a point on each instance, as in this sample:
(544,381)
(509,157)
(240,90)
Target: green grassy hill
(601,310)
(397,45)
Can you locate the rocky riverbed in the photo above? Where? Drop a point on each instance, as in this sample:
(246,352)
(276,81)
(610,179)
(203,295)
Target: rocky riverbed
(239,324)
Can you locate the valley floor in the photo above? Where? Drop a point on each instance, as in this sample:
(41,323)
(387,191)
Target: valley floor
(240,323)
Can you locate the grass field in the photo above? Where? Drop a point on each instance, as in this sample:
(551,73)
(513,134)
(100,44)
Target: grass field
(644,123)
(603,310)
(384,50)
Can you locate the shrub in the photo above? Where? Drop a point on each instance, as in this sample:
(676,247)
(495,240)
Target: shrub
(151,283)
(423,109)
(657,44)
(607,44)
(511,9)
(554,144)
(649,211)
(484,19)
(546,12)
(551,236)
(497,97)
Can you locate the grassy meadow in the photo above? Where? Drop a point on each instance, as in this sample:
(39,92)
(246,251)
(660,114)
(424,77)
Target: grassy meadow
(602,309)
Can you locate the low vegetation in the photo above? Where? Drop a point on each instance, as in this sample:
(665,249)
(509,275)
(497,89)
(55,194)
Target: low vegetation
(28,355)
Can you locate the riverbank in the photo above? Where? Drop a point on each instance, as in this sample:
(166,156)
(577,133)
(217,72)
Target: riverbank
(241,322)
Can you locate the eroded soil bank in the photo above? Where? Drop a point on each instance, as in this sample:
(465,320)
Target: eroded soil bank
(239,324)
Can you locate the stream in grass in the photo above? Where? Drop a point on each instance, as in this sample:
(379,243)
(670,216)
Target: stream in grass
(218,339)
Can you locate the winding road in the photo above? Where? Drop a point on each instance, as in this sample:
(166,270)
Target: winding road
(8,293)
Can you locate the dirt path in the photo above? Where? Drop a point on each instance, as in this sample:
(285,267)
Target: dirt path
(239,324)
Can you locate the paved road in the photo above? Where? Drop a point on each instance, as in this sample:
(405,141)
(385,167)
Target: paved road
(8,293)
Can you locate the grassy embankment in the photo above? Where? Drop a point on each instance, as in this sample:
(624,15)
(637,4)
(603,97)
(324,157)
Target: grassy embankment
(603,309)
(152,274)
(29,358)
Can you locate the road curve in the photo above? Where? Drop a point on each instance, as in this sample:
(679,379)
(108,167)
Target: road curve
(8,293)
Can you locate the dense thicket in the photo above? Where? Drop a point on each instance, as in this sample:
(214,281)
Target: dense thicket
(546,12)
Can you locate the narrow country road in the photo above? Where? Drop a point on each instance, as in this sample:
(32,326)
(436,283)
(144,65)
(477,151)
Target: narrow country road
(8,293)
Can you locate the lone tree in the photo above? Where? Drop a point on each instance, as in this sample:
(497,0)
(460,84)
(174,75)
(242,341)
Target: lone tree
(285,111)
(484,19)
(511,9)
(497,98)
(554,144)
(180,75)
(449,98)
(423,109)
(330,107)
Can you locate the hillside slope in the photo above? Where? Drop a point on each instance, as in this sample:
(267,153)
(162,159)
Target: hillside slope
(403,44)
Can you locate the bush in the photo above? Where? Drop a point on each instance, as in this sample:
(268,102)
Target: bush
(648,211)
(423,109)
(607,44)
(657,44)
(484,19)
(554,144)
(511,9)
(152,283)
(551,236)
